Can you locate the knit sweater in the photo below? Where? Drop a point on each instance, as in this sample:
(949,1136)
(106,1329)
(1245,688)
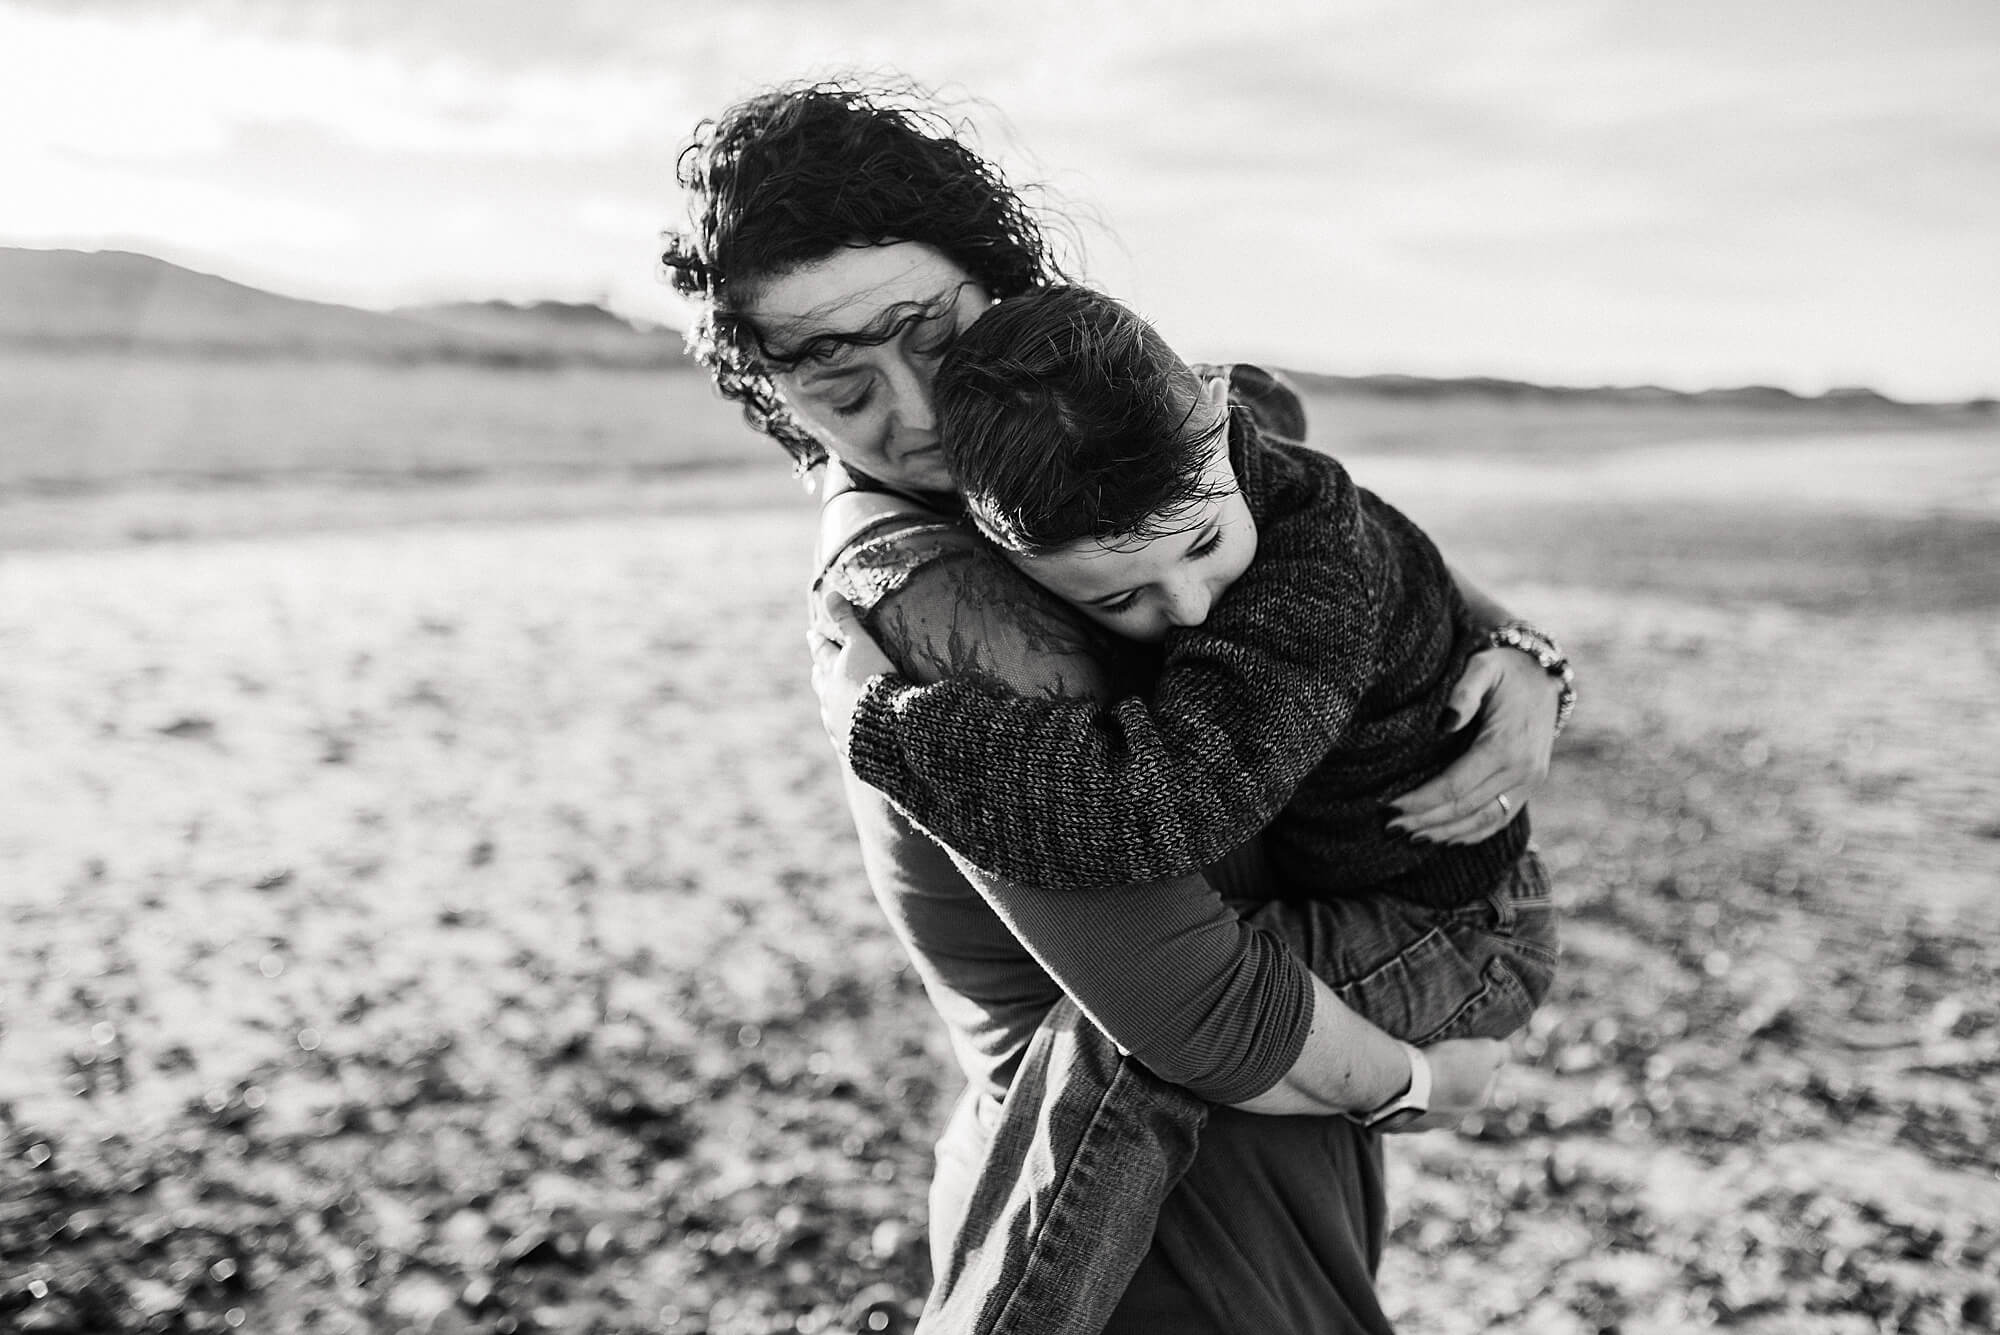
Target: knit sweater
(1310,696)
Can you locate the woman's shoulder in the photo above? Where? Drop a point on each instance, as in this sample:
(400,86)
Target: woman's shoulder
(875,544)
(944,602)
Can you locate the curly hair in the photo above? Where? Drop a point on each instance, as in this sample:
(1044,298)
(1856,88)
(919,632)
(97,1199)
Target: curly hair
(788,177)
(1064,416)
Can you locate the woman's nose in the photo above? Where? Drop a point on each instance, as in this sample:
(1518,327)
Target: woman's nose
(912,386)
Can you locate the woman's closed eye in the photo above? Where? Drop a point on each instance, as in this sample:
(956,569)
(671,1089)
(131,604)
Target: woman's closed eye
(936,341)
(850,406)
(929,339)
(1206,546)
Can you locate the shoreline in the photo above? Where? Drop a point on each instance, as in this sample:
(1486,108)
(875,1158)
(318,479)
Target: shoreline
(1935,474)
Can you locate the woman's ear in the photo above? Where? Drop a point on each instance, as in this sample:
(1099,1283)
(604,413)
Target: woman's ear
(1215,406)
(1215,392)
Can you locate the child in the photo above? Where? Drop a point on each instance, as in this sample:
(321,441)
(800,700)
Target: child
(1308,634)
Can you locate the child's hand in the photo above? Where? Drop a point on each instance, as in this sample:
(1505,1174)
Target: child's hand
(845,657)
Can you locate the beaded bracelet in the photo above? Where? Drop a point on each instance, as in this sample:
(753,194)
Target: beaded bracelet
(1541,646)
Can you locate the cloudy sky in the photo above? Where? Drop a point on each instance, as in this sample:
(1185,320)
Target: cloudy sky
(1800,192)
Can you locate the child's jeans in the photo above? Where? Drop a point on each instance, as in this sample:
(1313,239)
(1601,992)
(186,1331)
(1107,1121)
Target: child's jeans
(1057,1189)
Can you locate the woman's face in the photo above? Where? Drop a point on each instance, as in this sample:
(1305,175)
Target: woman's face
(869,403)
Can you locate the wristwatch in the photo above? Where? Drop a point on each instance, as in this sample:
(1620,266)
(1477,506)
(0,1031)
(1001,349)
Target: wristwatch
(1409,1105)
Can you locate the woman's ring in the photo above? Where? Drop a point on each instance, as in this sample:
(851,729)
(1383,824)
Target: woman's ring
(1506,807)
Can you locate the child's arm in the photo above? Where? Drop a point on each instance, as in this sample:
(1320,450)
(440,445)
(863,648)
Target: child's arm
(1070,794)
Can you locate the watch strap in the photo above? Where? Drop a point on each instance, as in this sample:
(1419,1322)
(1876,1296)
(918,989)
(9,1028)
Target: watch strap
(1412,1103)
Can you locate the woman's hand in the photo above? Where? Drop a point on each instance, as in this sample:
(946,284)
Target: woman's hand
(845,657)
(1463,1073)
(1514,701)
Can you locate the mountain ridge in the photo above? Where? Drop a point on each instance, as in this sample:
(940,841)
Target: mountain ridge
(123,301)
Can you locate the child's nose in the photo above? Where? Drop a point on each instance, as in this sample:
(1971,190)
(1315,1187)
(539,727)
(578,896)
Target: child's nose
(1188,604)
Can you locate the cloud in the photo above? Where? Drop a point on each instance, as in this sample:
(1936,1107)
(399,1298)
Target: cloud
(1580,189)
(71,202)
(168,87)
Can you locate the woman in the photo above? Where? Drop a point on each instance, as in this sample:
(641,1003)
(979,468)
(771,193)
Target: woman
(842,238)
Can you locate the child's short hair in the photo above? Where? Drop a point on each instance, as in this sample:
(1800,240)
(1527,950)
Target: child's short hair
(1065,416)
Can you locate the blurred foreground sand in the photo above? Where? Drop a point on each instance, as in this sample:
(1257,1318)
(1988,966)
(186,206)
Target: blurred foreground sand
(413,927)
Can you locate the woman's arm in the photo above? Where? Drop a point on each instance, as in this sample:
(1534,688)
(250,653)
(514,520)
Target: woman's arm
(1166,969)
(1328,1074)
(1175,977)
(1485,611)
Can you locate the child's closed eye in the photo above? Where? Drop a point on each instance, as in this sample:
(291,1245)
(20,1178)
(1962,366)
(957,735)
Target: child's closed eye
(1124,603)
(1207,545)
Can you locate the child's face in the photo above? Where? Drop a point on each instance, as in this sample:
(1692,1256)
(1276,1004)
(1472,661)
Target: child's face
(1143,588)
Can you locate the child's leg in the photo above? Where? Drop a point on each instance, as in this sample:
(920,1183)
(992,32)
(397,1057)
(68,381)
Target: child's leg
(1425,975)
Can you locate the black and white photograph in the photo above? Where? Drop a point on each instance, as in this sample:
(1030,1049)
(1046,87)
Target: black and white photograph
(1107,667)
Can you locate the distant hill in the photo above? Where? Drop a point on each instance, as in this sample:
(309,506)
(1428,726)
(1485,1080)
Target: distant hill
(1845,398)
(115,300)
(574,331)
